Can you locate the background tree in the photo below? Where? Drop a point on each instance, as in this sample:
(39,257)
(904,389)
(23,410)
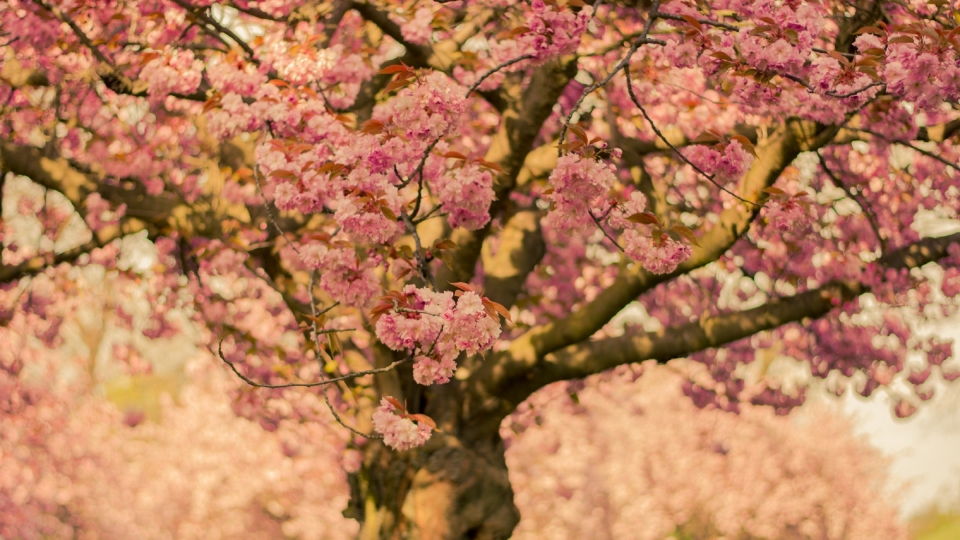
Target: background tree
(415,215)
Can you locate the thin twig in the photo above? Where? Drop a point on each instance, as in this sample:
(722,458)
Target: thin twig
(483,77)
(325,382)
(676,150)
(708,22)
(603,230)
(927,153)
(625,61)
(861,202)
(198,12)
(832,94)
(316,344)
(422,264)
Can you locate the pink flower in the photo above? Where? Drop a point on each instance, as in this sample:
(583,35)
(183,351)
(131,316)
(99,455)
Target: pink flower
(618,216)
(734,163)
(466,194)
(172,72)
(343,275)
(658,257)
(427,371)
(683,56)
(419,28)
(398,432)
(468,328)
(787,215)
(577,184)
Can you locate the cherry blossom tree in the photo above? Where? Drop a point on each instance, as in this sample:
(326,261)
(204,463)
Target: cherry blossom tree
(635,459)
(413,215)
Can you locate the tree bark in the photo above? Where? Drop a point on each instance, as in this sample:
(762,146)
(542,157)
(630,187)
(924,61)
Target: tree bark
(445,490)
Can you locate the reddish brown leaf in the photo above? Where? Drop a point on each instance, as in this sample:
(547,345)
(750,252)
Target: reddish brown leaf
(283,174)
(693,22)
(397,68)
(424,419)
(644,218)
(372,127)
(745,143)
(396,403)
(686,233)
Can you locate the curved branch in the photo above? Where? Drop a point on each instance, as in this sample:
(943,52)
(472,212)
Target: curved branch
(773,156)
(666,344)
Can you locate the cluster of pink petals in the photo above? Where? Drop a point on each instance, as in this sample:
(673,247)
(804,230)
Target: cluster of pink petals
(235,76)
(343,275)
(728,166)
(232,117)
(577,184)
(174,72)
(466,193)
(366,221)
(468,328)
(427,371)
(436,324)
(787,215)
(553,32)
(306,65)
(405,330)
(657,256)
(618,216)
(398,432)
(780,54)
(419,29)
(924,77)
(426,110)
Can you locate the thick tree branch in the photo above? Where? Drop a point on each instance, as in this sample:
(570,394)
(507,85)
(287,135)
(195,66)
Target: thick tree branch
(519,126)
(41,263)
(59,175)
(520,250)
(595,356)
(774,155)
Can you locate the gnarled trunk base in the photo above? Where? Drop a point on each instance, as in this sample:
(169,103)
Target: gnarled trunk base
(443,491)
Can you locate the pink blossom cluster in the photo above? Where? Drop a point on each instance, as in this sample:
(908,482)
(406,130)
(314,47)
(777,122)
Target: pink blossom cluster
(427,371)
(659,256)
(551,31)
(399,432)
(787,215)
(233,75)
(727,163)
(346,278)
(418,323)
(364,218)
(302,64)
(466,193)
(366,205)
(578,184)
(922,73)
(436,326)
(234,116)
(176,71)
(426,110)
(657,252)
(787,47)
(419,28)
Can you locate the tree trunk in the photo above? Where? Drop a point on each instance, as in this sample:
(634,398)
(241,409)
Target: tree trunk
(445,490)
